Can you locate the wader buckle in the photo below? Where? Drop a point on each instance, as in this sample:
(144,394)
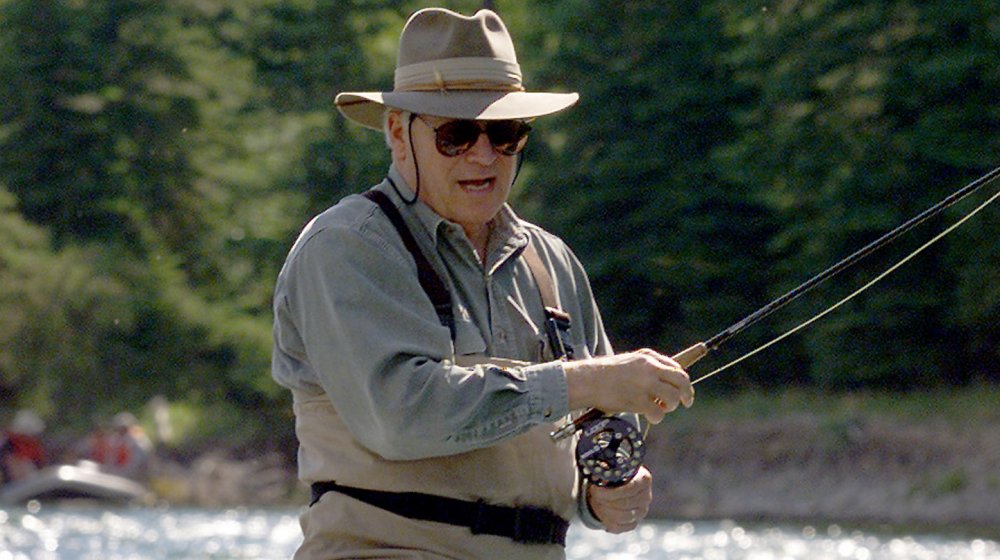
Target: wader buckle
(534,525)
(557,323)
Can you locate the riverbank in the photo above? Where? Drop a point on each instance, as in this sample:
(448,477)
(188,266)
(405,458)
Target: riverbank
(929,459)
(923,458)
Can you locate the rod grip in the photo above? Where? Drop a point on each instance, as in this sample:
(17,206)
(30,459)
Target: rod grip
(691,355)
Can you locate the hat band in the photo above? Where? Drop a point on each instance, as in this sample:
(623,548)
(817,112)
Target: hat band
(472,73)
(462,86)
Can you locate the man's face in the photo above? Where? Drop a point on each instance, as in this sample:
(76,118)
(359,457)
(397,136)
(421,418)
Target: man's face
(468,189)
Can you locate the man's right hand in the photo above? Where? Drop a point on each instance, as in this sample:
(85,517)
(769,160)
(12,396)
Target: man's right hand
(644,382)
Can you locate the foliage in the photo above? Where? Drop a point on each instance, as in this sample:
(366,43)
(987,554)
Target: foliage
(635,158)
(96,148)
(866,114)
(53,303)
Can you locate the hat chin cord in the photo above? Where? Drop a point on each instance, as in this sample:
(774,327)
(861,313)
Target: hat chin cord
(416,167)
(520,162)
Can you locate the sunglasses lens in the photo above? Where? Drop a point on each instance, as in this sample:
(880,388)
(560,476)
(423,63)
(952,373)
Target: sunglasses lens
(456,137)
(508,137)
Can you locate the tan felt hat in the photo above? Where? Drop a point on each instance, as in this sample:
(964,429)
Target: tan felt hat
(454,66)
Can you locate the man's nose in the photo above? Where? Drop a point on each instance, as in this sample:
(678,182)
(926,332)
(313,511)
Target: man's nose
(482,151)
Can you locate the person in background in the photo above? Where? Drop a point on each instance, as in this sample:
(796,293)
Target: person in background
(414,327)
(96,447)
(21,449)
(119,447)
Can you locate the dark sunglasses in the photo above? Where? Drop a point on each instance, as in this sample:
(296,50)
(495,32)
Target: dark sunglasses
(454,138)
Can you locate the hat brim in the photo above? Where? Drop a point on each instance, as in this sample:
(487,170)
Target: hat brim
(367,108)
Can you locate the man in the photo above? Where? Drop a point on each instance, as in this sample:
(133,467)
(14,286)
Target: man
(410,326)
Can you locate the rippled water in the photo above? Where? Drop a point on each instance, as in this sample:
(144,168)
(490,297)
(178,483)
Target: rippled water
(74,532)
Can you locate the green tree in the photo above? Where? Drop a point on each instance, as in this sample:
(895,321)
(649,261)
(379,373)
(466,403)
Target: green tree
(93,116)
(100,119)
(629,179)
(954,89)
(866,114)
(58,309)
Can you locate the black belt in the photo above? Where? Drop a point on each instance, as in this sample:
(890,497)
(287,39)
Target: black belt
(528,525)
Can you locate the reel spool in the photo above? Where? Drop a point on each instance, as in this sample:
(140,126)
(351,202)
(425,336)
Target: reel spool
(610,451)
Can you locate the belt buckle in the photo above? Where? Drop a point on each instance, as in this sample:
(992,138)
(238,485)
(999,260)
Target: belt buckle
(478,526)
(533,525)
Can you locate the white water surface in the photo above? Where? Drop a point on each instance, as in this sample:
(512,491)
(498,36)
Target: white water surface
(91,533)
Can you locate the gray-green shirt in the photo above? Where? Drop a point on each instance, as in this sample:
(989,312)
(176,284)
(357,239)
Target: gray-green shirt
(352,320)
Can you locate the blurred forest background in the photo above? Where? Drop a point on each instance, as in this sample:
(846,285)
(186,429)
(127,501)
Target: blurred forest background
(158,158)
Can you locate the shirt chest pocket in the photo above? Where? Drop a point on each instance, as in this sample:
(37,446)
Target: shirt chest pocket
(468,340)
(517,337)
(528,335)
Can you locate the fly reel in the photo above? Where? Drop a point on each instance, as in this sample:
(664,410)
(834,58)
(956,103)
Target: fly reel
(610,451)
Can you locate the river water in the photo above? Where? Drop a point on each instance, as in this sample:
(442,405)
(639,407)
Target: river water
(91,533)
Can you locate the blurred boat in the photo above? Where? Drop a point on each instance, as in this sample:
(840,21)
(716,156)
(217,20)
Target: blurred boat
(83,480)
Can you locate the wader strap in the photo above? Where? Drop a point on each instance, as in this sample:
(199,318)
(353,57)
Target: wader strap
(528,525)
(557,321)
(429,279)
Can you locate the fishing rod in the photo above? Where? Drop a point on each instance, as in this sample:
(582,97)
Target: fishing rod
(610,450)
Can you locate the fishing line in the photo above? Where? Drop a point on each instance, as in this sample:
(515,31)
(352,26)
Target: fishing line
(874,281)
(952,199)
(609,451)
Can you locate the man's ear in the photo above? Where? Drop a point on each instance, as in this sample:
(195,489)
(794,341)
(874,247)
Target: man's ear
(397,137)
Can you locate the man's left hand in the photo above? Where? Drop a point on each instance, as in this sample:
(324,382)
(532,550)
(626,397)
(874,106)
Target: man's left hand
(621,509)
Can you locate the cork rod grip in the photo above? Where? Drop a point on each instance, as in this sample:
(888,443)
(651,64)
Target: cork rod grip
(691,355)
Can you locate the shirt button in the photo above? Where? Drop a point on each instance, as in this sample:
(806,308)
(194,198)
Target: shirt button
(547,412)
(502,336)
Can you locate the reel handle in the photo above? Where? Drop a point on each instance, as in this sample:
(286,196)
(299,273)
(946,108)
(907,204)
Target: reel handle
(685,358)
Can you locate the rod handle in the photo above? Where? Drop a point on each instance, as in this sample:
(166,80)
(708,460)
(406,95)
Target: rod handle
(689,356)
